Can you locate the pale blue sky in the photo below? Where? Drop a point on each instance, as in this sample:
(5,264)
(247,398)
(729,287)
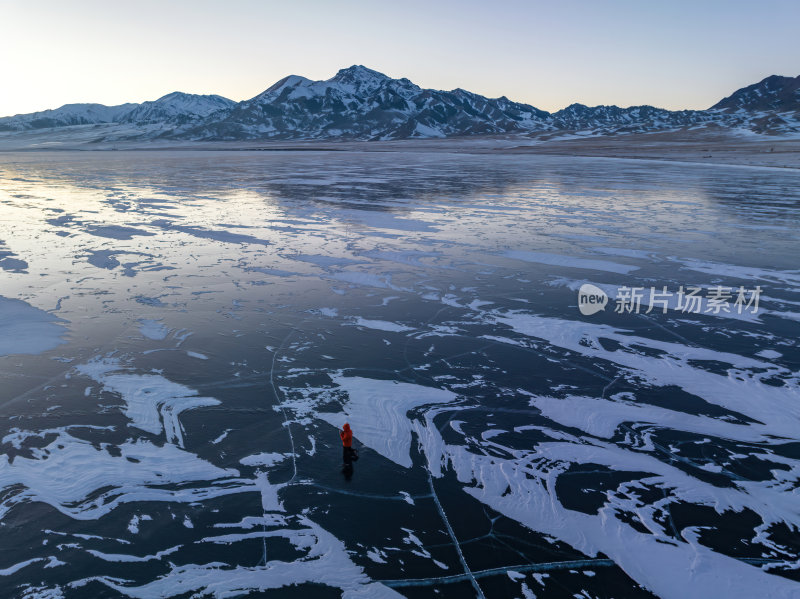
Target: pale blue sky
(676,54)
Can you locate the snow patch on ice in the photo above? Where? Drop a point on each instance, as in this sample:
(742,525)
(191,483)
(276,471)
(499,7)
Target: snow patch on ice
(382,325)
(68,473)
(570,262)
(152,402)
(376,410)
(153,329)
(325,561)
(27,330)
(263,459)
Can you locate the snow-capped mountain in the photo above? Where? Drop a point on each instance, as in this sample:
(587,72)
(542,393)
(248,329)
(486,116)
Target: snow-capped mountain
(364,104)
(175,109)
(770,106)
(636,119)
(359,103)
(775,93)
(66,116)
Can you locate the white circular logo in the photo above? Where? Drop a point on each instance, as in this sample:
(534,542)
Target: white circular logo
(591,299)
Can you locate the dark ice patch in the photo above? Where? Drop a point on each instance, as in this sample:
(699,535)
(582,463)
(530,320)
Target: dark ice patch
(216,235)
(115,231)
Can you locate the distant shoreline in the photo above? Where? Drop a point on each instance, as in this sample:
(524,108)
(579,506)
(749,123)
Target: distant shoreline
(696,147)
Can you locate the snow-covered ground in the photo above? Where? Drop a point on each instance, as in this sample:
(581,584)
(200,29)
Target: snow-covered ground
(183,332)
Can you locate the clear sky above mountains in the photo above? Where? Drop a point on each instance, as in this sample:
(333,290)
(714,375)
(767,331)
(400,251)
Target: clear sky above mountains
(681,54)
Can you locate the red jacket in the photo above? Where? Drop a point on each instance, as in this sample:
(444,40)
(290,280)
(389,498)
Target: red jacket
(346,435)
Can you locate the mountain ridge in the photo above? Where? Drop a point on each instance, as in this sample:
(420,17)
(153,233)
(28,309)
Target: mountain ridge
(776,92)
(364,104)
(175,107)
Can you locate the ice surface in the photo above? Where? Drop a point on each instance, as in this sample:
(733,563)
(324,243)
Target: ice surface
(737,390)
(325,562)
(171,422)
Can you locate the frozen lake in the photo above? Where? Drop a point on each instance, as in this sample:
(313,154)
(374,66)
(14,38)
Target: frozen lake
(181,334)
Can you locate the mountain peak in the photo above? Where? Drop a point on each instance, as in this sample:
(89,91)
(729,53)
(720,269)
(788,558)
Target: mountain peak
(175,107)
(171,96)
(289,81)
(775,92)
(183,96)
(357,73)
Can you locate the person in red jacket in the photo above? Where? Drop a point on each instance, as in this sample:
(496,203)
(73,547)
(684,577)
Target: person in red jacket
(349,454)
